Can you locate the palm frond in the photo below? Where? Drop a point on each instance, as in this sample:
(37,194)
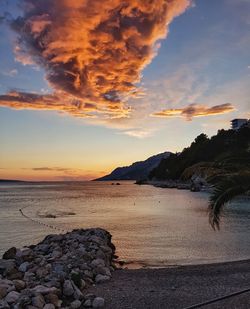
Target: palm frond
(225,190)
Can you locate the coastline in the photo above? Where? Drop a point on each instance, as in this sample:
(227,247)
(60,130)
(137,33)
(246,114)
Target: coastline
(194,186)
(178,287)
(78,270)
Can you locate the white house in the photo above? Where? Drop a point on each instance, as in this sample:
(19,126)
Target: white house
(237,123)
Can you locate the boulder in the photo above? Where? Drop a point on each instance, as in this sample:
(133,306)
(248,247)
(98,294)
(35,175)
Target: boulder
(24,267)
(97,262)
(98,302)
(3,291)
(12,297)
(7,266)
(68,289)
(101,278)
(19,284)
(10,254)
(75,304)
(38,301)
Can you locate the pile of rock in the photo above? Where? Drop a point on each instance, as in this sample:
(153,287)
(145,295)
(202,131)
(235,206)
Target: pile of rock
(57,272)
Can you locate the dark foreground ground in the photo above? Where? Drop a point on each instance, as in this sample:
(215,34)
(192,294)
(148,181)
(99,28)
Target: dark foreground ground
(178,287)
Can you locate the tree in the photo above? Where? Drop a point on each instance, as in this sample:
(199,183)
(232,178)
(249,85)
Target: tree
(225,190)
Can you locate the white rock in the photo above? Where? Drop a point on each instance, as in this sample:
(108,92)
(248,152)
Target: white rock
(12,297)
(98,302)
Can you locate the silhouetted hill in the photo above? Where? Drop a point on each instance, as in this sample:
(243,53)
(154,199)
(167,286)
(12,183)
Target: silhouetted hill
(224,153)
(137,170)
(10,180)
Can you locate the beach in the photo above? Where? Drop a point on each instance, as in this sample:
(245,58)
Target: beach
(178,287)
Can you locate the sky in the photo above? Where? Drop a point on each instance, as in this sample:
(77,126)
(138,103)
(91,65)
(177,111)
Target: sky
(89,85)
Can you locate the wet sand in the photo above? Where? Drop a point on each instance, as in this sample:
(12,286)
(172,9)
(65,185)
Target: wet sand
(177,287)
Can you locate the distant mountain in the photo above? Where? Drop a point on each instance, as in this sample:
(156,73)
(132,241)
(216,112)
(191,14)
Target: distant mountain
(11,180)
(137,170)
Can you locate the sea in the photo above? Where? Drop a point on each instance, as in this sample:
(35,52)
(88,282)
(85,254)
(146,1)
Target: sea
(150,227)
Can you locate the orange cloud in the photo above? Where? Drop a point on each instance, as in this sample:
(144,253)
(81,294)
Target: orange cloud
(195,110)
(62,102)
(93,51)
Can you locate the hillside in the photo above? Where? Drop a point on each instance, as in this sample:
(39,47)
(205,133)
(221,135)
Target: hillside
(137,170)
(225,153)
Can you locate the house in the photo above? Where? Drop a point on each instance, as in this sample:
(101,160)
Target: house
(237,123)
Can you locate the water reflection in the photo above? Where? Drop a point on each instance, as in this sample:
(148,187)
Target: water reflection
(151,226)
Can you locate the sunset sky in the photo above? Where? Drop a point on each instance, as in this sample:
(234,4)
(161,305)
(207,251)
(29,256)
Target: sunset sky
(89,85)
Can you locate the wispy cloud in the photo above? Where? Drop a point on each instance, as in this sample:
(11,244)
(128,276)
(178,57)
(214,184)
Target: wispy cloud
(65,173)
(10,73)
(52,169)
(195,110)
(90,55)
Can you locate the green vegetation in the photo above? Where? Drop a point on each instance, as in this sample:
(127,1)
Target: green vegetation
(225,153)
(223,161)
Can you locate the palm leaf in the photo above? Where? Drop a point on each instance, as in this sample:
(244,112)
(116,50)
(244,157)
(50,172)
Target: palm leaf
(225,190)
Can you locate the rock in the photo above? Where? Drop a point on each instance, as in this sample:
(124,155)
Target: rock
(68,289)
(29,276)
(44,290)
(101,278)
(41,272)
(60,266)
(87,303)
(12,297)
(24,267)
(3,291)
(19,284)
(15,275)
(97,262)
(10,254)
(103,271)
(53,299)
(4,304)
(56,254)
(75,304)
(7,266)
(77,293)
(98,302)
(49,306)
(38,301)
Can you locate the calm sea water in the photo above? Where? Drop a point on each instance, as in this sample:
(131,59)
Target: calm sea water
(150,226)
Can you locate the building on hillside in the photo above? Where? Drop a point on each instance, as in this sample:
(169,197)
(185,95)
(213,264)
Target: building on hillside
(237,123)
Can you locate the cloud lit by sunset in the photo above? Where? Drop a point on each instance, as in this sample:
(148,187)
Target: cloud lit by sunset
(196,110)
(89,85)
(93,58)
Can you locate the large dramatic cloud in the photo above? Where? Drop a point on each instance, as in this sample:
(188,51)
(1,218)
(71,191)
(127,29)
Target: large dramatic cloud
(93,51)
(195,110)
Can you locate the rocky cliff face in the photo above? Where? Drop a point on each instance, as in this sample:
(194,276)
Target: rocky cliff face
(137,170)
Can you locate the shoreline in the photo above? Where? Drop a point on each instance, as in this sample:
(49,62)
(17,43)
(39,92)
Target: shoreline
(178,287)
(78,269)
(193,186)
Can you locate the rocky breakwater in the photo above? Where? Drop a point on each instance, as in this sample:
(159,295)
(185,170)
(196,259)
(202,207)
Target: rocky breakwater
(57,272)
